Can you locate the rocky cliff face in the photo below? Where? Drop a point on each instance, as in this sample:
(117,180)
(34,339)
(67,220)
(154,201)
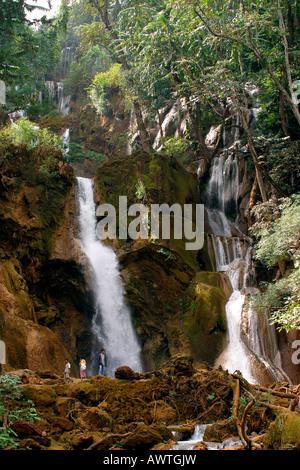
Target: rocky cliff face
(175,307)
(45,301)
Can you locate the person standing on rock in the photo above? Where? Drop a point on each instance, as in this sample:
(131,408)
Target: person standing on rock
(102,362)
(82,368)
(67,372)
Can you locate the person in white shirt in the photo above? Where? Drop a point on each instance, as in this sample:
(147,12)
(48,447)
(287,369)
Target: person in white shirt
(67,372)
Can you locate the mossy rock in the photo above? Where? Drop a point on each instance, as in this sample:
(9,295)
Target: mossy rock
(143,438)
(41,395)
(220,431)
(94,419)
(85,392)
(284,432)
(63,405)
(205,317)
(165,182)
(162,412)
(82,441)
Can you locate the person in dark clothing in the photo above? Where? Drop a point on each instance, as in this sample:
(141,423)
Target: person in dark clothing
(102,362)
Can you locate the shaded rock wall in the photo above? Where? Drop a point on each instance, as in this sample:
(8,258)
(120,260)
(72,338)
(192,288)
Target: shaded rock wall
(44,298)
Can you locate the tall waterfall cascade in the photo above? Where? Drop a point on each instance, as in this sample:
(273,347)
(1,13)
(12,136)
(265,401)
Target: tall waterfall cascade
(112,325)
(251,347)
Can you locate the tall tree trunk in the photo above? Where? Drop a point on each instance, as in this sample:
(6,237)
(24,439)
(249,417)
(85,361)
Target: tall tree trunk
(194,115)
(179,118)
(294,100)
(144,136)
(258,172)
(160,128)
(283,120)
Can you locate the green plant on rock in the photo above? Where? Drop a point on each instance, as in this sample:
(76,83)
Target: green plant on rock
(77,154)
(103,83)
(26,134)
(176,147)
(140,190)
(13,407)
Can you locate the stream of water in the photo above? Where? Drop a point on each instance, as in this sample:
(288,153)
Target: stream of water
(198,436)
(112,325)
(254,353)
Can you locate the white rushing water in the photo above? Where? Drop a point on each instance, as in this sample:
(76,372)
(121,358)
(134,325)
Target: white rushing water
(198,436)
(252,350)
(112,325)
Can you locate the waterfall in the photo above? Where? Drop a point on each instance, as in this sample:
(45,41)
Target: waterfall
(66,140)
(112,326)
(56,95)
(223,185)
(252,348)
(236,355)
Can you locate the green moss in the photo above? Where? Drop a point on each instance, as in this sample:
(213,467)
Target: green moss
(205,318)
(284,432)
(41,395)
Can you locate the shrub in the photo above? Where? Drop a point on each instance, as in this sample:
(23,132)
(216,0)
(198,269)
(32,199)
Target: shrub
(26,134)
(14,406)
(101,85)
(176,148)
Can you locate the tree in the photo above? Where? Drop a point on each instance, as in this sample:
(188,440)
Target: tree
(29,50)
(107,12)
(278,242)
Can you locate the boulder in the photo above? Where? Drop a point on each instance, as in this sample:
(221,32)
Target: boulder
(220,431)
(41,395)
(126,373)
(144,437)
(62,423)
(94,419)
(25,429)
(82,441)
(284,432)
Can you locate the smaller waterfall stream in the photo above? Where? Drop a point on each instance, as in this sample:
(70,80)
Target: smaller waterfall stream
(112,326)
(252,348)
(198,436)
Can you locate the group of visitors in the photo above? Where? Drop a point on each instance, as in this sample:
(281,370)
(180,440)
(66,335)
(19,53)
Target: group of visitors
(82,367)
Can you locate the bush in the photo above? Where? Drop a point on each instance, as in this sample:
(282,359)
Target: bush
(101,85)
(14,406)
(176,148)
(26,134)
(77,154)
(277,230)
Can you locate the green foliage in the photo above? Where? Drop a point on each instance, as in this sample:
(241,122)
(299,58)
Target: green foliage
(102,84)
(8,438)
(140,190)
(83,71)
(176,148)
(26,134)
(277,230)
(77,154)
(13,406)
(284,164)
(287,316)
(10,387)
(28,52)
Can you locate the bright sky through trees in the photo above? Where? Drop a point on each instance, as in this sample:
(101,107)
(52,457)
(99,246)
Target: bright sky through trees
(37,14)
